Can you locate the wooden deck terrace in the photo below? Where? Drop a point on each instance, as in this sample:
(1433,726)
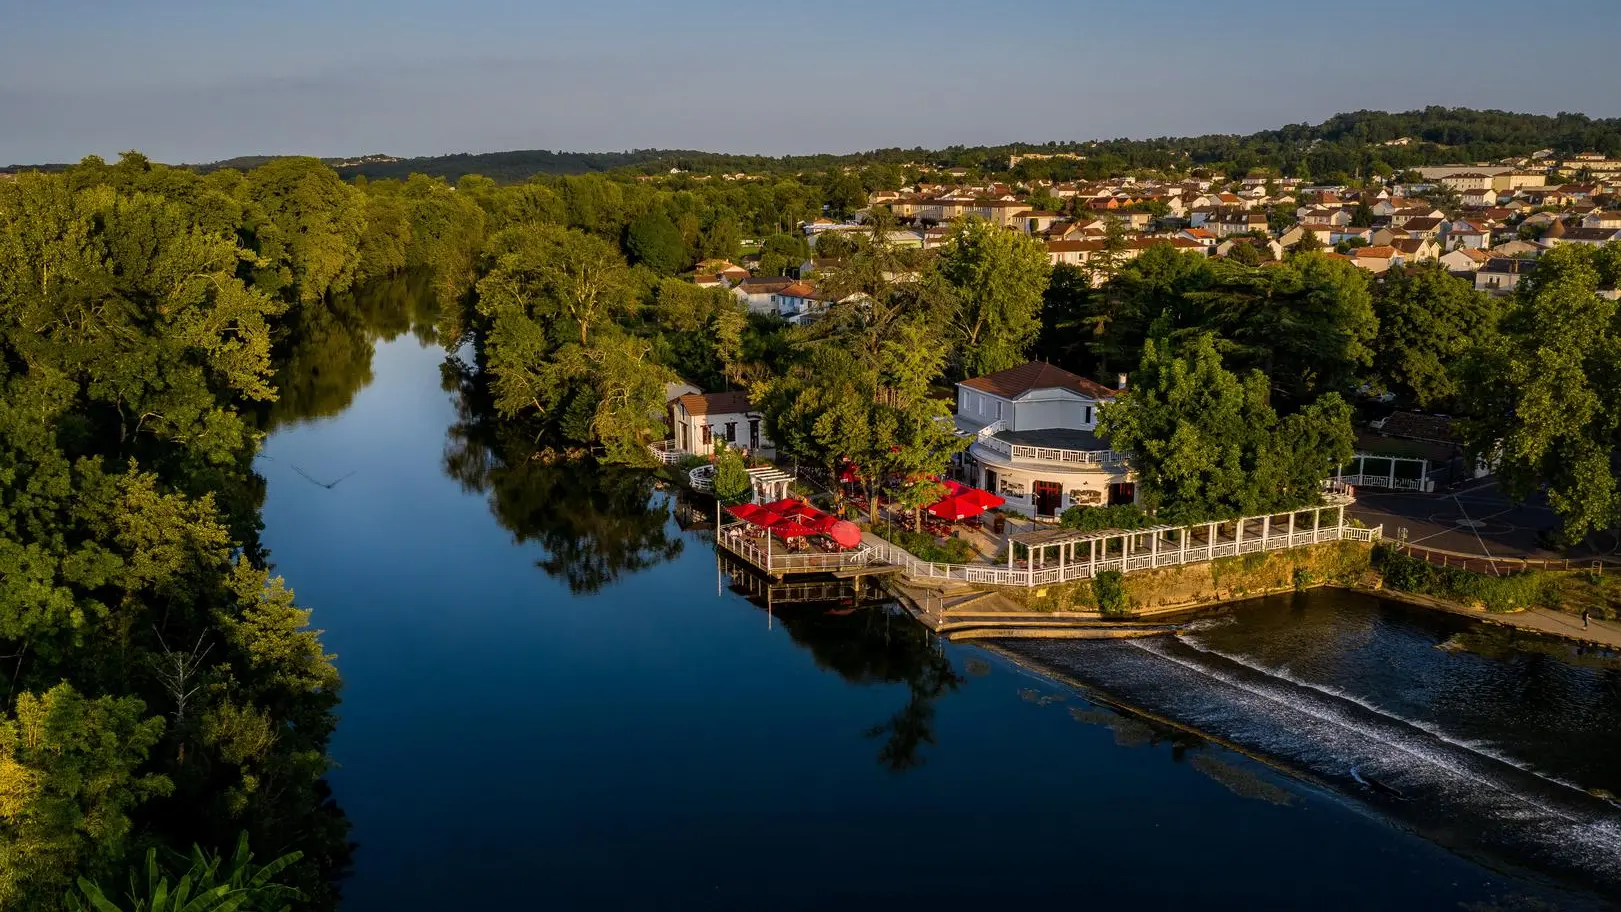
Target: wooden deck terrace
(775,559)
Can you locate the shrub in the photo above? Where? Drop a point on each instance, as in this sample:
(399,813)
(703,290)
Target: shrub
(1094,519)
(1494,593)
(924,546)
(1109,589)
(732,484)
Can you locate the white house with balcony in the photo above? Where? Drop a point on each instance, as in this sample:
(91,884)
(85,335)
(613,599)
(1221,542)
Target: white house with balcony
(1035,442)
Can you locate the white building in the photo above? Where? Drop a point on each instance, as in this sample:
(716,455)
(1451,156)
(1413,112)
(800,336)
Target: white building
(700,419)
(1034,441)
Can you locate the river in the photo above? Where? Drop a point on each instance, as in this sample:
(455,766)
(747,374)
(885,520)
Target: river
(554,699)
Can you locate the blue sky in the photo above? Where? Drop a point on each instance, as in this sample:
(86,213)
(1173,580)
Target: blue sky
(184,80)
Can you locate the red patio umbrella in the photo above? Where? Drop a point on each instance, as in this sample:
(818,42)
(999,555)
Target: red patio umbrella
(786,505)
(754,513)
(789,528)
(955,508)
(984,499)
(801,510)
(843,532)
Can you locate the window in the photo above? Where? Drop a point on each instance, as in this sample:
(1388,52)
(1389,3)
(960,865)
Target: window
(1088,420)
(706,435)
(731,432)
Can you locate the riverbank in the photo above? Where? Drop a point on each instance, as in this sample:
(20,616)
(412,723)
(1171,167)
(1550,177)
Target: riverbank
(1543,621)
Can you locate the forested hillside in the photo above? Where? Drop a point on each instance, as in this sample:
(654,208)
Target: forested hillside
(1350,143)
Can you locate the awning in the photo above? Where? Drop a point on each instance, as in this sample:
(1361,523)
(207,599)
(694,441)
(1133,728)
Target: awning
(754,513)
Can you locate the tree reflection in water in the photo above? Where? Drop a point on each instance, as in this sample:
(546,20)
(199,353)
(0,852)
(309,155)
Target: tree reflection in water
(871,644)
(325,359)
(596,523)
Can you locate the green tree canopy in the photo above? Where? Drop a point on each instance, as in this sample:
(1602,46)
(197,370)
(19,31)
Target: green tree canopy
(997,279)
(1544,396)
(1206,444)
(654,241)
(1428,321)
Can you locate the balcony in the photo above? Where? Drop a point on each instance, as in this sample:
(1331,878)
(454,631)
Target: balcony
(1075,449)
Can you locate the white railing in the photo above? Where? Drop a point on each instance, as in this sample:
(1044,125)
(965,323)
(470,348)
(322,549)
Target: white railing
(1028,576)
(1374,480)
(775,558)
(702,478)
(1025,453)
(665,452)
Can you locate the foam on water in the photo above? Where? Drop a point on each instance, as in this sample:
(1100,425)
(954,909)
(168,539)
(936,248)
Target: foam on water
(1467,795)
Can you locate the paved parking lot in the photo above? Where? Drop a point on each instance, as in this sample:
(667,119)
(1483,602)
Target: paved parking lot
(1474,518)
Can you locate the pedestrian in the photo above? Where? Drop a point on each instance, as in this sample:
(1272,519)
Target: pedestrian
(1586,614)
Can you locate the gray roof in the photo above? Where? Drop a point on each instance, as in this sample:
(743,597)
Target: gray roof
(1057,438)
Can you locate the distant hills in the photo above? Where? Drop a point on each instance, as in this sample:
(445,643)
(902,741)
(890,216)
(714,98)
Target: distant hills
(1350,144)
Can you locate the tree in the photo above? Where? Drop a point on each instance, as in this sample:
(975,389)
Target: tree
(1207,445)
(1306,323)
(843,193)
(1428,321)
(208,884)
(68,782)
(556,275)
(1544,397)
(307,223)
(654,241)
(998,278)
(732,483)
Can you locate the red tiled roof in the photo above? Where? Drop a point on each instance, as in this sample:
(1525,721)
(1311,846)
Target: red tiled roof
(1016,381)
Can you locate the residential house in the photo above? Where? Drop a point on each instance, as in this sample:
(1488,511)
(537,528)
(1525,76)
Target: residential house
(1428,227)
(801,302)
(1375,259)
(1401,217)
(701,419)
(1592,237)
(1204,237)
(1464,259)
(1460,233)
(1478,199)
(1516,250)
(1465,181)
(1499,275)
(1082,252)
(1035,442)
(1416,250)
(1317,215)
(758,294)
(1034,221)
(1604,218)
(1236,221)
(1341,233)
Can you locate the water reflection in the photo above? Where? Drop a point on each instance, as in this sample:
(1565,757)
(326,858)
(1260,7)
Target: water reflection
(864,643)
(326,356)
(596,523)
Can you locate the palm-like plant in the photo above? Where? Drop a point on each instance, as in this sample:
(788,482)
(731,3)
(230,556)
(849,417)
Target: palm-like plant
(212,883)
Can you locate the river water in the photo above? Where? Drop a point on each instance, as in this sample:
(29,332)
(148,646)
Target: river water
(555,698)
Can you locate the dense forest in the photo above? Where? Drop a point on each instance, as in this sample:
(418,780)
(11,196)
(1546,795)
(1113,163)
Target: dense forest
(165,689)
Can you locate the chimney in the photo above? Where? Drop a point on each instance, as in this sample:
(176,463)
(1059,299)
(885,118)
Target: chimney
(1119,381)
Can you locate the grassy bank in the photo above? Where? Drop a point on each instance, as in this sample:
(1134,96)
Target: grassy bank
(1570,591)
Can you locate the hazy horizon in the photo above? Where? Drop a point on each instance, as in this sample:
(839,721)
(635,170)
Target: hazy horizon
(185,81)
